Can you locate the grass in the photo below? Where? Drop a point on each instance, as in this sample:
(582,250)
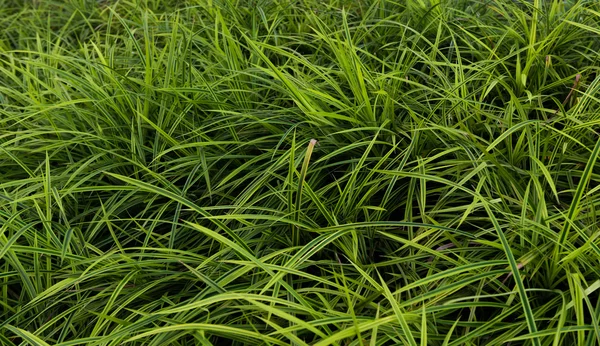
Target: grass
(215,172)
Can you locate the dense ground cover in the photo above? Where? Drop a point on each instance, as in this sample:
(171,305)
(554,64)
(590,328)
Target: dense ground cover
(299,172)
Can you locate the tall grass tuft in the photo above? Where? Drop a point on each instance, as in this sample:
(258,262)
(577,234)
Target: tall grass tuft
(256,172)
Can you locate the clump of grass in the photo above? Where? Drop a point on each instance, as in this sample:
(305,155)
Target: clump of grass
(311,173)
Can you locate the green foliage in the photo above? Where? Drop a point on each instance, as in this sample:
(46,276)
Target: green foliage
(255,172)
